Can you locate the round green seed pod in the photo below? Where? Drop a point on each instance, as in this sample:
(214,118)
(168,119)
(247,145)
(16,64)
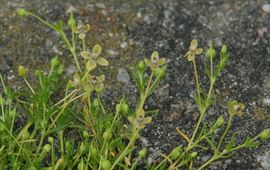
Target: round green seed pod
(96,103)
(47,148)
(51,139)
(107,135)
(265,134)
(224,49)
(93,151)
(124,108)
(22,71)
(106,164)
(193,154)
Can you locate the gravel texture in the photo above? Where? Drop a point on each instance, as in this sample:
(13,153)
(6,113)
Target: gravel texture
(129,31)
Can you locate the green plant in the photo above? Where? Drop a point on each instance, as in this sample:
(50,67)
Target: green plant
(104,139)
(205,137)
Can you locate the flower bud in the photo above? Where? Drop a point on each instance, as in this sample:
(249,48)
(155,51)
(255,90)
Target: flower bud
(142,153)
(211,53)
(85,134)
(22,12)
(265,134)
(96,103)
(193,155)
(37,73)
(51,139)
(118,108)
(22,71)
(107,135)
(224,49)
(55,61)
(175,153)
(124,108)
(141,65)
(106,164)
(219,122)
(93,151)
(47,148)
(71,21)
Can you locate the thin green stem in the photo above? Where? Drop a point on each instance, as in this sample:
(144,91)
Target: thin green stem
(3,83)
(196,129)
(83,43)
(225,132)
(40,143)
(208,162)
(197,79)
(143,98)
(30,87)
(125,152)
(42,20)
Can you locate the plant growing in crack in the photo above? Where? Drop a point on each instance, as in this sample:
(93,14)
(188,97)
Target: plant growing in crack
(104,139)
(184,156)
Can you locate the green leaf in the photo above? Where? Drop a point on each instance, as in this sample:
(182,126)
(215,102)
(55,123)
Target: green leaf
(211,143)
(250,144)
(152,112)
(231,143)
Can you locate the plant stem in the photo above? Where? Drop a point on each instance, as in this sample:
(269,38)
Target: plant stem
(28,84)
(197,80)
(143,98)
(125,152)
(196,129)
(62,35)
(225,132)
(208,162)
(40,143)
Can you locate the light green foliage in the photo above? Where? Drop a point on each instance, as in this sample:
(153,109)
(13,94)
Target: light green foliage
(104,139)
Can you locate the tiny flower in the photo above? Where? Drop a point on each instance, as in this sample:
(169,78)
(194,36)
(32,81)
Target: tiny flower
(154,61)
(94,58)
(235,107)
(193,50)
(140,120)
(81,29)
(94,83)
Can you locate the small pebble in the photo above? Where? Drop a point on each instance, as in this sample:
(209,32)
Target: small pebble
(100,5)
(266,8)
(124,45)
(266,101)
(123,75)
